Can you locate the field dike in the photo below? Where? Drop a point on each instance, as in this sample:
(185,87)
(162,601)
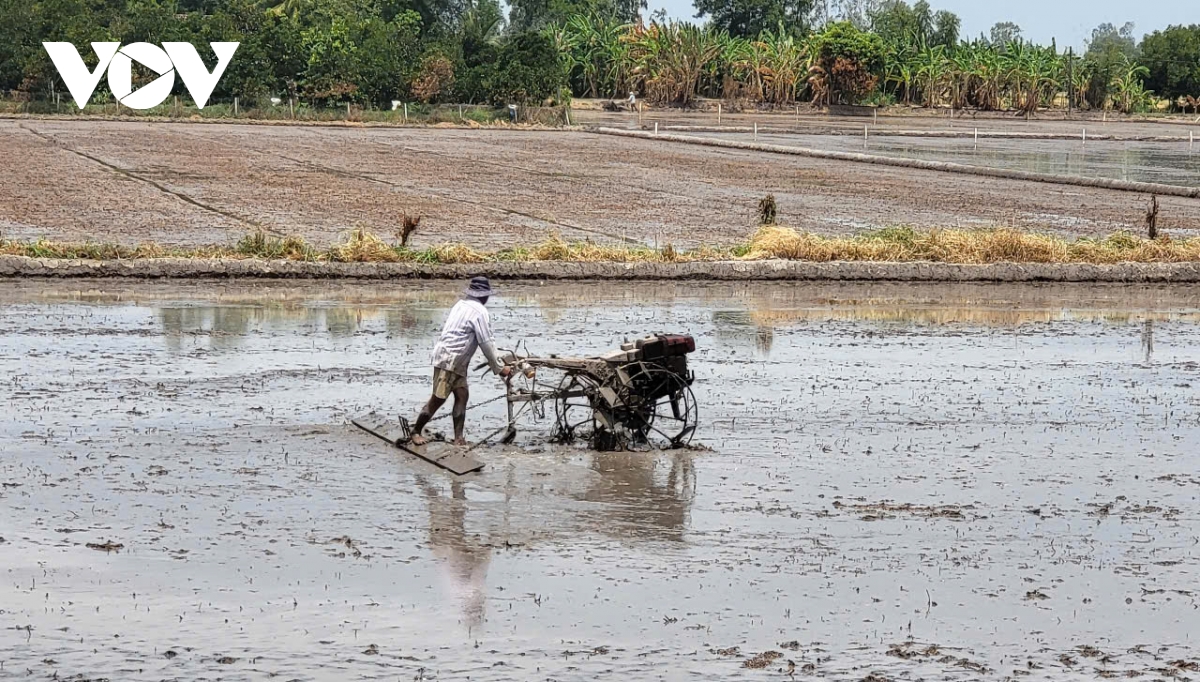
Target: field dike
(772,253)
(765,270)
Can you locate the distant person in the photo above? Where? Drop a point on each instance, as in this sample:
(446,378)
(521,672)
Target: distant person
(467,328)
(512,113)
(632,101)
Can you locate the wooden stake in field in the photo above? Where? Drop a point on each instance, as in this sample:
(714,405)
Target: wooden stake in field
(292,107)
(347,111)
(235,106)
(1152,218)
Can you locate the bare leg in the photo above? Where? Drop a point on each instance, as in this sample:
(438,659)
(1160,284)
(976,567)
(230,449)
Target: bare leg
(460,414)
(435,403)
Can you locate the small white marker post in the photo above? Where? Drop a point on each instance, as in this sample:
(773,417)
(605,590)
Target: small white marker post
(718,113)
(235,106)
(865,133)
(756,131)
(460,116)
(977,138)
(292,107)
(656,127)
(406,112)
(1085,135)
(1191,140)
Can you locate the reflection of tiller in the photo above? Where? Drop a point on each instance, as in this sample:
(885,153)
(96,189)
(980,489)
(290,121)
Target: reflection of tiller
(638,397)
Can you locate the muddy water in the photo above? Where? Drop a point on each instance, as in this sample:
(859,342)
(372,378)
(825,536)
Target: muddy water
(916,482)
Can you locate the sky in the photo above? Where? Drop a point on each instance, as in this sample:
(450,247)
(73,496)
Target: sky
(1070,22)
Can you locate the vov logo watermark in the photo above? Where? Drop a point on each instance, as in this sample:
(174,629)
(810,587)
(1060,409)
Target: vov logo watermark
(118,62)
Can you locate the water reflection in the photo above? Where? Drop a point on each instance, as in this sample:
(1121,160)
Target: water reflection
(643,496)
(464,559)
(1148,340)
(229,327)
(635,497)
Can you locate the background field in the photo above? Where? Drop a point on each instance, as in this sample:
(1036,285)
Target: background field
(186,184)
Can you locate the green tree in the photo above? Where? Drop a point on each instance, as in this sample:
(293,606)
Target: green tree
(1172,57)
(748,18)
(901,25)
(1004,33)
(534,15)
(1107,52)
(946,26)
(847,63)
(524,69)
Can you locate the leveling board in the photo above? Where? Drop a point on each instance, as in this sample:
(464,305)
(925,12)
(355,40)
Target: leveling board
(450,457)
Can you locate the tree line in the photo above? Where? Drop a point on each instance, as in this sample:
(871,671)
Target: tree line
(888,52)
(775,52)
(322,52)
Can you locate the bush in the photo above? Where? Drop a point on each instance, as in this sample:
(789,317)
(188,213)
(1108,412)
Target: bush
(851,61)
(435,80)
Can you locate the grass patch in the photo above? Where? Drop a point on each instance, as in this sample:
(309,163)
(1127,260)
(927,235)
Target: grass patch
(902,244)
(893,244)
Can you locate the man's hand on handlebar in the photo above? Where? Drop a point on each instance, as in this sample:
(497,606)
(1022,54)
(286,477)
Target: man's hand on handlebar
(505,372)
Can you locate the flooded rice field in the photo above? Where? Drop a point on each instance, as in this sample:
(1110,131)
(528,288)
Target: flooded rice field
(1171,163)
(894,483)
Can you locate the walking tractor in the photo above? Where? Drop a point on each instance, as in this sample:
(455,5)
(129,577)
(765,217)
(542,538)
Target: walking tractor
(636,398)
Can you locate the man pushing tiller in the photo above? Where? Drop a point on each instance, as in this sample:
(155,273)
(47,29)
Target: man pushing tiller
(467,327)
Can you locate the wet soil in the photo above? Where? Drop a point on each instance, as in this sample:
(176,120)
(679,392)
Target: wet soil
(182,184)
(895,482)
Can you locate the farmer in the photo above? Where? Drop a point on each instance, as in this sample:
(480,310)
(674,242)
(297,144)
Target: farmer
(467,328)
(632,101)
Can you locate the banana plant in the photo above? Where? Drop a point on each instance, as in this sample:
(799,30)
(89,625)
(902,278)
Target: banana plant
(1128,92)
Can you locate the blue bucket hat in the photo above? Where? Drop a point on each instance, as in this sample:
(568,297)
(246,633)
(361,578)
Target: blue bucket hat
(479,288)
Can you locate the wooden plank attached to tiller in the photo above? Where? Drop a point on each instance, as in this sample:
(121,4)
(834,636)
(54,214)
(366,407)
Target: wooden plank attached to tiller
(452,458)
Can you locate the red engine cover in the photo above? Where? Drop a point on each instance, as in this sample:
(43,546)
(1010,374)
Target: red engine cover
(678,344)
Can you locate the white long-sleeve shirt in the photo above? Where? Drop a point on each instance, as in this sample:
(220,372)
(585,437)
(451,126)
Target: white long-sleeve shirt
(467,326)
